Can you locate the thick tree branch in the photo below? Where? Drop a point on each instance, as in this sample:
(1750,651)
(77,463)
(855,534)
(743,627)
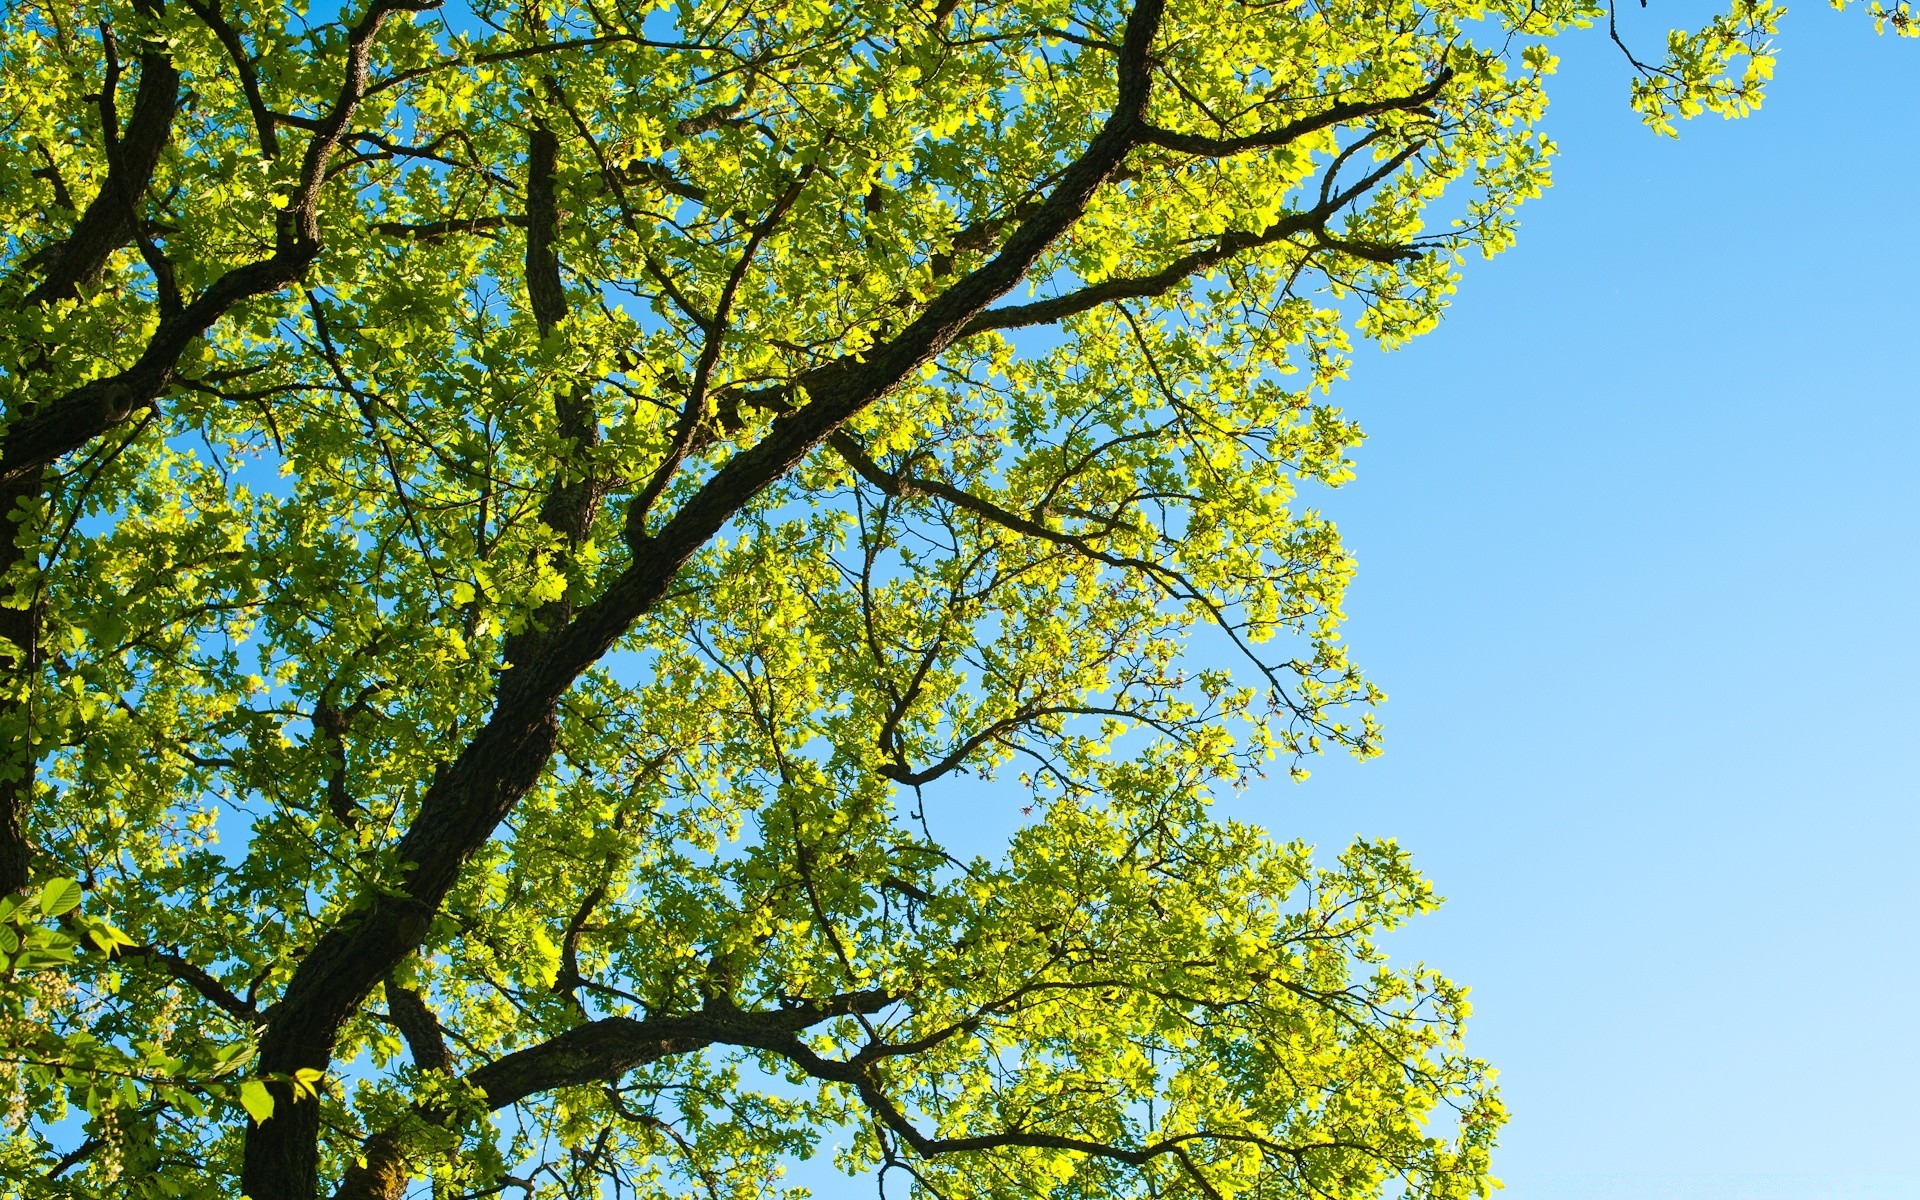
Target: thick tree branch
(599,1052)
(574,495)
(426,1040)
(606,1049)
(109,222)
(19,677)
(433,231)
(473,793)
(545,294)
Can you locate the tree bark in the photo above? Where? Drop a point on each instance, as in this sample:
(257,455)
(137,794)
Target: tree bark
(19,664)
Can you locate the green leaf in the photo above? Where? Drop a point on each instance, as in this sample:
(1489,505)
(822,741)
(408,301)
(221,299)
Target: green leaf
(60,896)
(257,1100)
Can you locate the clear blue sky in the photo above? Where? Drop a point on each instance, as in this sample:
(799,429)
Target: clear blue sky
(1637,532)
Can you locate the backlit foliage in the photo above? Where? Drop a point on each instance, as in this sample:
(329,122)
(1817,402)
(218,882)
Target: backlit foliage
(527,519)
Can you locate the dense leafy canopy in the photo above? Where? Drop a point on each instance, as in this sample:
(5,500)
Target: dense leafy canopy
(518,514)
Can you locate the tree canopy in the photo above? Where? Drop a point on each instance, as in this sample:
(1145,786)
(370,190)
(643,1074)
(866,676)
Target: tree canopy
(522,515)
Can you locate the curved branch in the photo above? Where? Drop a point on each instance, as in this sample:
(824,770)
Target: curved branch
(263,123)
(426,1039)
(197,978)
(1228,246)
(597,1052)
(1293,131)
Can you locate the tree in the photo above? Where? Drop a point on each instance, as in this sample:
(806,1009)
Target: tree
(517,512)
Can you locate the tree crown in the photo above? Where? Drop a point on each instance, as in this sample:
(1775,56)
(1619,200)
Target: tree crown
(523,514)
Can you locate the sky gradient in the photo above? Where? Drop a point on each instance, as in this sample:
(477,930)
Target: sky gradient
(1638,567)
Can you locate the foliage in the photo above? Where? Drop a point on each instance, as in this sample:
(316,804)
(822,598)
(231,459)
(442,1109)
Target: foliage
(519,514)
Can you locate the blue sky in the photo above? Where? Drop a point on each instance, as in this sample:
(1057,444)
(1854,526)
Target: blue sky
(1638,567)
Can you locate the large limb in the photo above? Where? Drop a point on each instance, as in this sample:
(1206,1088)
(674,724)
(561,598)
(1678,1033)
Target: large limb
(597,1052)
(471,795)
(1293,131)
(133,154)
